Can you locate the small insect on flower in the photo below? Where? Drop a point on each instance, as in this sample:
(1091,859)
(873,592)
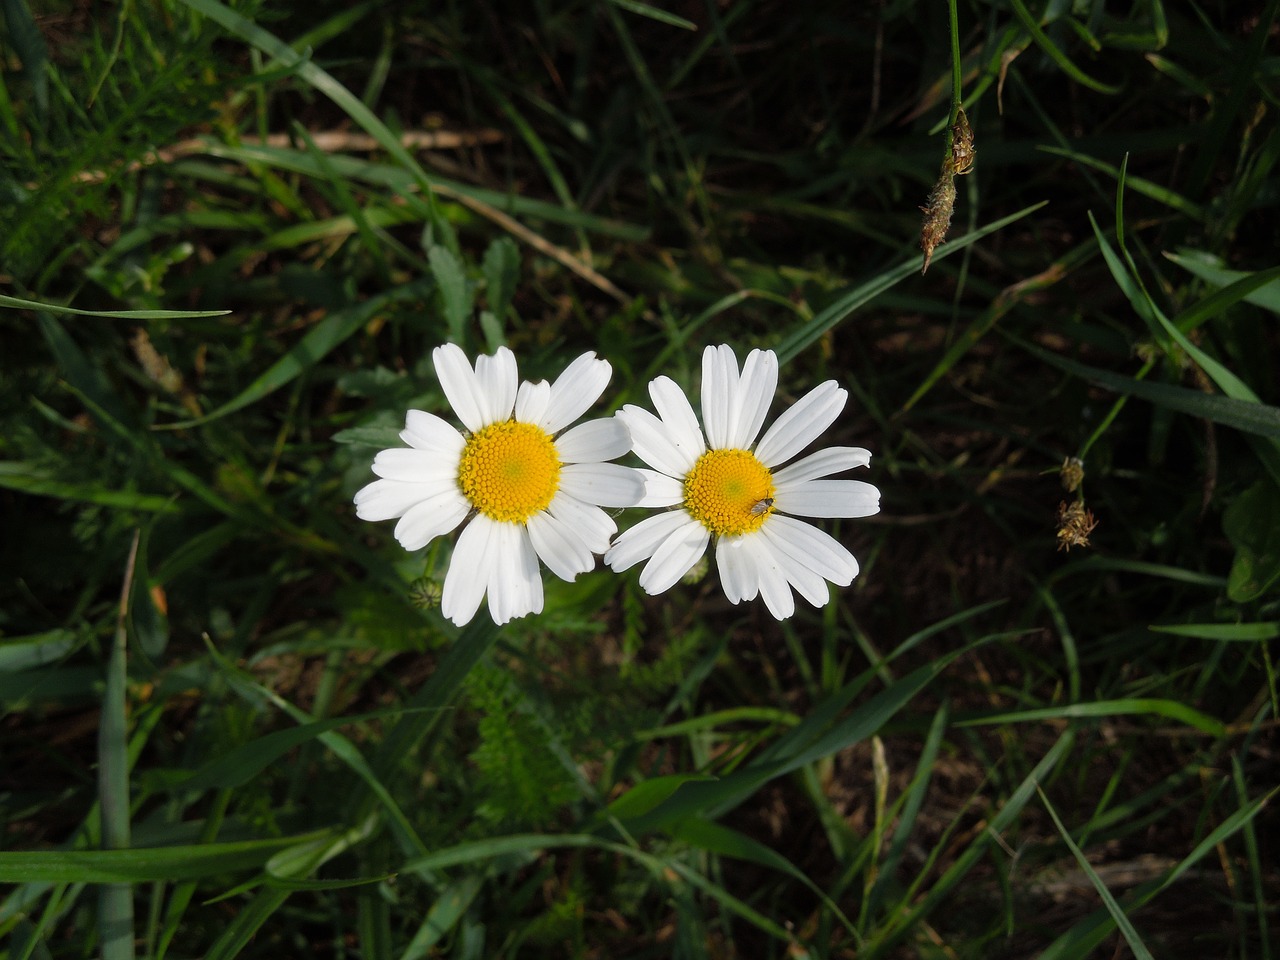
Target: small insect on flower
(760,506)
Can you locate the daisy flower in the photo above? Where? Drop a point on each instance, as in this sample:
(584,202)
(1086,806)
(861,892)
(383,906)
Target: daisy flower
(729,487)
(532,492)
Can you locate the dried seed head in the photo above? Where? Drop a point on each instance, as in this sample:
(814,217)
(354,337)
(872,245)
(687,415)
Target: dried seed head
(963,151)
(937,215)
(942,201)
(1075,523)
(1072,474)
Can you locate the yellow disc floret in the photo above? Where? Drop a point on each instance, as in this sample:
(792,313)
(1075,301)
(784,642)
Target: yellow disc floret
(729,492)
(509,470)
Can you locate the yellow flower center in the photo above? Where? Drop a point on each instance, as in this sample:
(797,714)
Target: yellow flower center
(509,470)
(729,492)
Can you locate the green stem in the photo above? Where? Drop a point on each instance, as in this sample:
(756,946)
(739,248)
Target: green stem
(956,79)
(116,899)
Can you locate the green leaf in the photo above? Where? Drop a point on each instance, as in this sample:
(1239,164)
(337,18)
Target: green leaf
(653,13)
(515,845)
(1245,632)
(1117,914)
(644,796)
(22,653)
(725,841)
(1155,191)
(380,437)
(1108,708)
(21,304)
(1085,936)
(501,267)
(28,478)
(1246,415)
(805,744)
(1209,269)
(451,904)
(1057,56)
(1252,524)
(456,294)
(810,331)
(28,44)
(140,865)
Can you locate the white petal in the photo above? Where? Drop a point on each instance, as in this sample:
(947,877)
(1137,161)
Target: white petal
(681,423)
(425,521)
(592,524)
(674,557)
(426,431)
(559,546)
(661,490)
(643,539)
(812,548)
(576,389)
(775,589)
(650,439)
(798,568)
(532,400)
(417,466)
(468,576)
(498,378)
(802,424)
(719,393)
(755,393)
(737,570)
(593,441)
(384,499)
(515,584)
(828,498)
(460,386)
(604,484)
(823,463)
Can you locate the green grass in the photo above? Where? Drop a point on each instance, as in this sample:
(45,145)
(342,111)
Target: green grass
(234,721)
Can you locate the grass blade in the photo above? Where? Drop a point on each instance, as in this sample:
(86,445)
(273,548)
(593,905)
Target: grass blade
(1121,919)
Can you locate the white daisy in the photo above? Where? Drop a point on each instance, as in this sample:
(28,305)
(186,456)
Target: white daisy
(535,492)
(722,487)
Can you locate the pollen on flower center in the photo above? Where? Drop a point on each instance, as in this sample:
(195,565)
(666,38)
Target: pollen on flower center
(729,492)
(509,470)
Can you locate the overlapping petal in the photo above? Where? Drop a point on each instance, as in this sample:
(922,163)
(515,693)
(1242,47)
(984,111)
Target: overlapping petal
(592,524)
(426,431)
(655,443)
(604,484)
(430,518)
(640,542)
(560,547)
(460,386)
(574,391)
(594,441)
(674,557)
